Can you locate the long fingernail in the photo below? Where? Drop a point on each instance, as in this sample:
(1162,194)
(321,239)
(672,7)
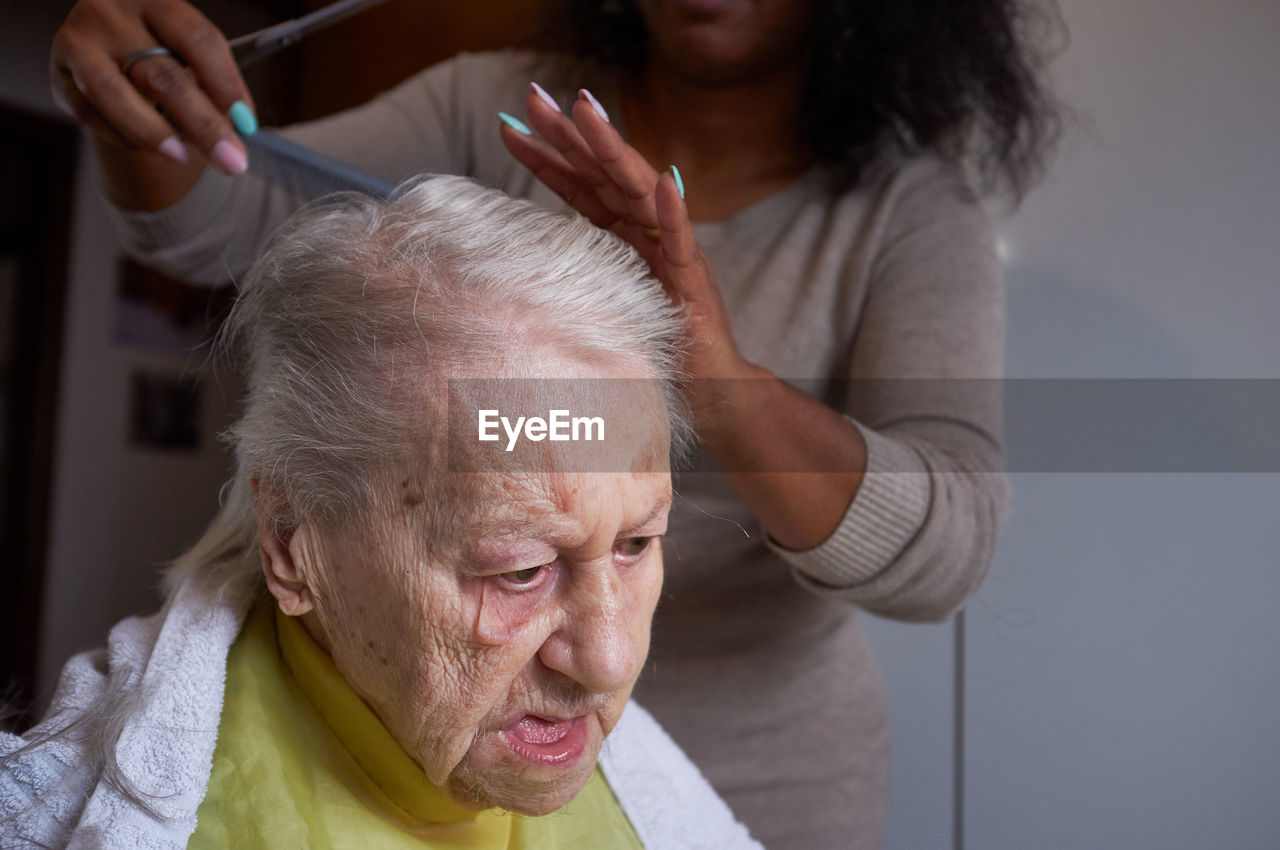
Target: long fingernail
(546,98)
(229,158)
(514,123)
(242,116)
(172,148)
(595,104)
(675,172)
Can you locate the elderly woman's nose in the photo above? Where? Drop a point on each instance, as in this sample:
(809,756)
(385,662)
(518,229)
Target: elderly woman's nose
(595,645)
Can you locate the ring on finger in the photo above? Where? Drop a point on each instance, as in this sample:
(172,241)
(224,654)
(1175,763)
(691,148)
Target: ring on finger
(146,53)
(653,233)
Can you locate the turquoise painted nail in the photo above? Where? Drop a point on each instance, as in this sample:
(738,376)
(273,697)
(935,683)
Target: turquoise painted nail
(675,172)
(242,116)
(514,123)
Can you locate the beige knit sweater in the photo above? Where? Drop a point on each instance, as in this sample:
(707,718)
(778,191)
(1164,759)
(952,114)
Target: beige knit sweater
(758,667)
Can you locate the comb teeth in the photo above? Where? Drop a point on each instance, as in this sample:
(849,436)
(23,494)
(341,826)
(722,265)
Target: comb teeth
(304,172)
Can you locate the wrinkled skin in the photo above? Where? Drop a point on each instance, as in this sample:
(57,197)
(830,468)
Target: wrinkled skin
(540,603)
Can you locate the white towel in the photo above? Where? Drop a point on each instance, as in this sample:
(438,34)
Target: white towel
(666,798)
(174,662)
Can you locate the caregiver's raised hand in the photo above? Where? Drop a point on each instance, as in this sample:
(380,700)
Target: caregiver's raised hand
(747,427)
(584,160)
(107,71)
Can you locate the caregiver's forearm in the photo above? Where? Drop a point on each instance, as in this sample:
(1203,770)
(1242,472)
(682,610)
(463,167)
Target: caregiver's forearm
(139,180)
(795,462)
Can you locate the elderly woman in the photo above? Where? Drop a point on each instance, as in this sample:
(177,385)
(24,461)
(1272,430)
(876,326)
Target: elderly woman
(397,632)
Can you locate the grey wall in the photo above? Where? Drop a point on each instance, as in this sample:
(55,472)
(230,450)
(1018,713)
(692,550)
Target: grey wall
(1121,686)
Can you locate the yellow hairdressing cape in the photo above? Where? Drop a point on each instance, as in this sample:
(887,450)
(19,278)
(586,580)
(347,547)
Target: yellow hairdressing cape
(302,762)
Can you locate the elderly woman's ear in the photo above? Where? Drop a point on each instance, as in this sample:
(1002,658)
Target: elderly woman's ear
(286,557)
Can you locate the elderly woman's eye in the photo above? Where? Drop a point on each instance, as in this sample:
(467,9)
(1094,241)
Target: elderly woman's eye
(633,546)
(523,576)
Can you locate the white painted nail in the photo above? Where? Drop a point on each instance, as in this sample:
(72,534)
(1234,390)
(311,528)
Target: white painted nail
(595,104)
(229,158)
(546,98)
(172,148)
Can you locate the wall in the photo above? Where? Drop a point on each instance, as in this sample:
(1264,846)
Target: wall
(119,513)
(1120,682)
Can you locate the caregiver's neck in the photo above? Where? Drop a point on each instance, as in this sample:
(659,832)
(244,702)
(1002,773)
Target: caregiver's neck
(735,144)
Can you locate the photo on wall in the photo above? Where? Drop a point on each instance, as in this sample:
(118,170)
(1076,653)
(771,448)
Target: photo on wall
(164,411)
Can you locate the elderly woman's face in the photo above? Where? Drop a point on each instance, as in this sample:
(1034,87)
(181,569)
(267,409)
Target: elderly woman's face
(502,659)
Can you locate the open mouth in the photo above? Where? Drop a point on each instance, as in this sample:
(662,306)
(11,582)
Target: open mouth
(547,741)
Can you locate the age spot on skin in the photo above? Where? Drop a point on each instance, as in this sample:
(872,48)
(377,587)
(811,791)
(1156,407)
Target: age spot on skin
(412,497)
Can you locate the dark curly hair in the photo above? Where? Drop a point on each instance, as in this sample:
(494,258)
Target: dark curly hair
(960,78)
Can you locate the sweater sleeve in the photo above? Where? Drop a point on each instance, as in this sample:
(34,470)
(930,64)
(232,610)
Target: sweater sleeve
(441,120)
(919,535)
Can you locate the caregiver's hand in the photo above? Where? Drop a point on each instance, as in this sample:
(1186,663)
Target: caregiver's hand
(766,436)
(194,88)
(585,161)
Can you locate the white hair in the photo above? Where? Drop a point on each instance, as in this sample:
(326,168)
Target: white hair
(352,303)
(354,300)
